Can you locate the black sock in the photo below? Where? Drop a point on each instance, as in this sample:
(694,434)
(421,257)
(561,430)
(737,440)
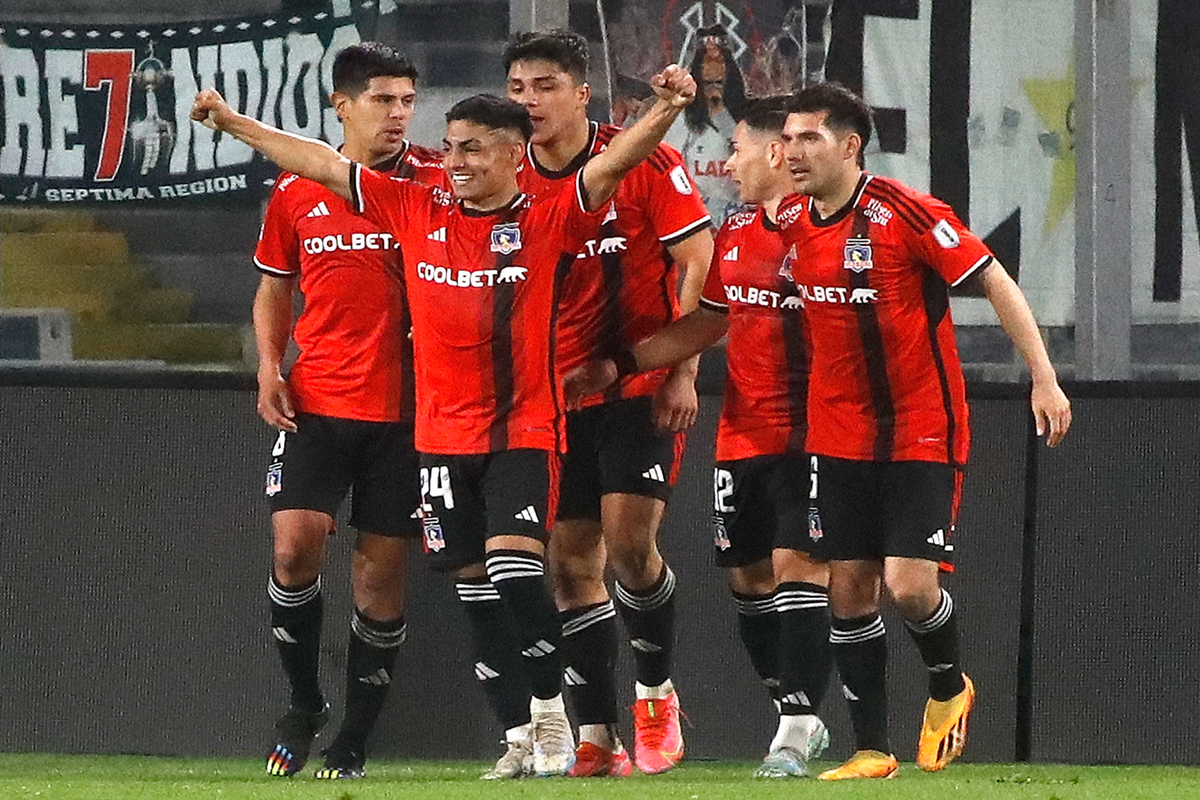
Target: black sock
(296,627)
(860,647)
(520,578)
(494,646)
(649,617)
(937,639)
(805,656)
(590,658)
(758,626)
(370,661)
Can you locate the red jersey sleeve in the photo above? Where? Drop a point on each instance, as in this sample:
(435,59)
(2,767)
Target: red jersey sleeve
(382,199)
(713,297)
(676,209)
(278,249)
(945,244)
(571,212)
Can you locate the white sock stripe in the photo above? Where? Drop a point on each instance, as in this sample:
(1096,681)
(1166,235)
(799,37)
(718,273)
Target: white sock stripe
(939,618)
(872,630)
(507,567)
(585,621)
(651,601)
(290,599)
(377,638)
(477,592)
(800,605)
(754,607)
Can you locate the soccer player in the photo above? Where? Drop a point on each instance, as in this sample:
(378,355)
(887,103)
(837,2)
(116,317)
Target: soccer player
(761,478)
(625,445)
(887,412)
(344,412)
(483,270)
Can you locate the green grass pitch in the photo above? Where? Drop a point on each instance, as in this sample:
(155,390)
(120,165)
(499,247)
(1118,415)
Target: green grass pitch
(64,777)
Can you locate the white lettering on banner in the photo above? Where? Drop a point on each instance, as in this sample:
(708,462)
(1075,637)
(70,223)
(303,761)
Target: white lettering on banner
(356,241)
(474,279)
(281,80)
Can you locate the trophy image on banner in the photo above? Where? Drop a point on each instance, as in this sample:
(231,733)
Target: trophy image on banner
(152,136)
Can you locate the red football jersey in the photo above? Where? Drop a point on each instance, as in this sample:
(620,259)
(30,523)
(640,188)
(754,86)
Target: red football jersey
(886,383)
(355,357)
(624,286)
(766,377)
(483,289)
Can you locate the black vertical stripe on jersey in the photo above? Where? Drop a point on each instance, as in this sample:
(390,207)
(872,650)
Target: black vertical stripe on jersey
(937,304)
(561,271)
(795,358)
(408,378)
(876,357)
(503,378)
(610,340)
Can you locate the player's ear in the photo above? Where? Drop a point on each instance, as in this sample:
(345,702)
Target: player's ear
(585,93)
(853,147)
(339,101)
(775,155)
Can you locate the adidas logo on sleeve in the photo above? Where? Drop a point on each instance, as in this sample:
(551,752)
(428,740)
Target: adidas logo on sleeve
(319,210)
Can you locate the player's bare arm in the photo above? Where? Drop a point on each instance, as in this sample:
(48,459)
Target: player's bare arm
(272,329)
(308,158)
(675,402)
(1051,409)
(675,89)
(673,344)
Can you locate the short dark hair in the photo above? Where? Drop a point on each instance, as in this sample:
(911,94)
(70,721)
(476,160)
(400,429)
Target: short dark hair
(354,67)
(567,49)
(493,112)
(844,110)
(767,114)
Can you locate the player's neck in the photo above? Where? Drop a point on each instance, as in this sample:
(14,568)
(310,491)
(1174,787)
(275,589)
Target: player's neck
(364,154)
(781,189)
(556,154)
(495,201)
(834,200)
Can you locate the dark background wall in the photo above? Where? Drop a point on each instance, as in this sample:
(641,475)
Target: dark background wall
(136,547)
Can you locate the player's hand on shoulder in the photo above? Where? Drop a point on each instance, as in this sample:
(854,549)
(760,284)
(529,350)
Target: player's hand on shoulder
(588,379)
(1051,411)
(675,85)
(275,403)
(675,403)
(210,109)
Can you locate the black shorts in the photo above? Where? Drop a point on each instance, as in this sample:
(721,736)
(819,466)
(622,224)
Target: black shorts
(327,457)
(468,499)
(615,448)
(760,504)
(870,510)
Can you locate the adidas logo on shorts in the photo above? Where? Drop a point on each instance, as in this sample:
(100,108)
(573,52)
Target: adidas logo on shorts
(655,473)
(527,514)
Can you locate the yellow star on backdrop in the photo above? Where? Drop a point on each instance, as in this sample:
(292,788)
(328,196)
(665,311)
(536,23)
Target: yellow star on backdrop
(1054,101)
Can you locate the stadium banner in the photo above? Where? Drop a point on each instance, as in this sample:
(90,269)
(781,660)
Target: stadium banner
(98,114)
(974,103)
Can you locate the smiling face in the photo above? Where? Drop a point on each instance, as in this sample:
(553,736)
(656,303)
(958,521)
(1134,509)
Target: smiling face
(557,103)
(376,119)
(481,163)
(820,159)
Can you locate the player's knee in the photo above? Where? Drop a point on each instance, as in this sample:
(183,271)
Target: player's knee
(753,579)
(575,579)
(915,599)
(636,563)
(296,565)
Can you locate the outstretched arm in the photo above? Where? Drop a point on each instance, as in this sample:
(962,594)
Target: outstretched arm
(675,88)
(1051,409)
(308,158)
(679,341)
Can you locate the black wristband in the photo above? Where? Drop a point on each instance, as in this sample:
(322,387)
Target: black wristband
(626,363)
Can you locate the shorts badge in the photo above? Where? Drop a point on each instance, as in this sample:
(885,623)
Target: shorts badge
(721,536)
(858,255)
(274,479)
(814,525)
(506,238)
(435,541)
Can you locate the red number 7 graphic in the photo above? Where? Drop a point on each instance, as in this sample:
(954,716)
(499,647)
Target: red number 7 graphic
(114,68)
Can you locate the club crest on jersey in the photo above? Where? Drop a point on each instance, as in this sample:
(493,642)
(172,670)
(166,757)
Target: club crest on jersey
(506,238)
(785,269)
(274,479)
(435,540)
(858,255)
